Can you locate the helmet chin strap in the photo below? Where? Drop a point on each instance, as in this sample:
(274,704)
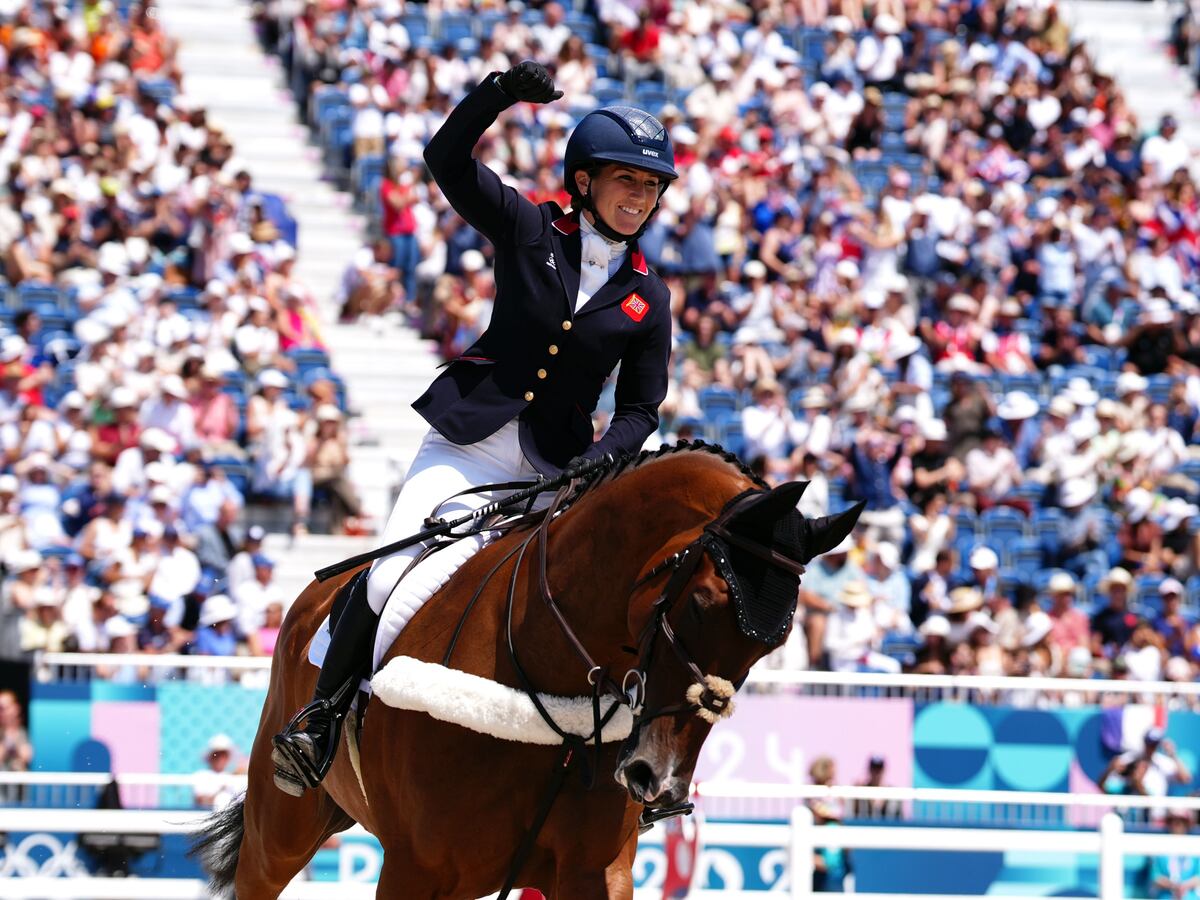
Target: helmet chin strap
(607,230)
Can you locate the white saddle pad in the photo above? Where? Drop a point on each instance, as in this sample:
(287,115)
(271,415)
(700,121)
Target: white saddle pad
(319,644)
(487,707)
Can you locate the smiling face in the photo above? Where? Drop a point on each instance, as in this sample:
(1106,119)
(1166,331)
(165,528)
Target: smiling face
(623,196)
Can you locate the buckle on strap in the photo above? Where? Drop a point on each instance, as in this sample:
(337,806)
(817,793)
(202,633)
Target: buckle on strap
(650,816)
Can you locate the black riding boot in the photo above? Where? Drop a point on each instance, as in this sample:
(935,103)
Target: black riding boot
(303,757)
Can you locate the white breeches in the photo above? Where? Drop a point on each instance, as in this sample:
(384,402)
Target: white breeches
(439,469)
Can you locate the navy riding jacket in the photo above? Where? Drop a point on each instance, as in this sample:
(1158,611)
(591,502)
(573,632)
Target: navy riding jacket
(539,360)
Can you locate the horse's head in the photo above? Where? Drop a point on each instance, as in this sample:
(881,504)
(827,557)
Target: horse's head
(728,601)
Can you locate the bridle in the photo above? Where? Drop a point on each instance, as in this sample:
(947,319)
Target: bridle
(709,696)
(709,693)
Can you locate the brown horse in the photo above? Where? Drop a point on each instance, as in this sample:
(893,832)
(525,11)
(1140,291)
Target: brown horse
(450,806)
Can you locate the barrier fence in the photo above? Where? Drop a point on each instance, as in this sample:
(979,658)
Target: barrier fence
(721,799)
(976,689)
(799,839)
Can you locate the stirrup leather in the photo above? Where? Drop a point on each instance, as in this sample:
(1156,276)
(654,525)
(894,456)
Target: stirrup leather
(304,769)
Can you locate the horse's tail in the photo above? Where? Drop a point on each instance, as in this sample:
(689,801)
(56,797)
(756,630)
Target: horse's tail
(217,845)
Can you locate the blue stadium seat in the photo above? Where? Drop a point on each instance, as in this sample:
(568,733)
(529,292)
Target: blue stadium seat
(1010,578)
(1002,521)
(1192,594)
(452,27)
(837,492)
(325,98)
(732,438)
(366,174)
(1159,388)
(718,403)
(307,360)
(238,472)
(161,89)
(1025,554)
(1030,491)
(1146,587)
(966,521)
(36,294)
(582,26)
(185,298)
(652,98)
(415,22)
(609,97)
(1030,384)
(486,22)
(812,43)
(1100,357)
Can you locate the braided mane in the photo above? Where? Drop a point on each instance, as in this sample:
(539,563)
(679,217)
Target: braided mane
(605,474)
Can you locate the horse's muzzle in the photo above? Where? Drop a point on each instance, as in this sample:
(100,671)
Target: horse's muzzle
(648,787)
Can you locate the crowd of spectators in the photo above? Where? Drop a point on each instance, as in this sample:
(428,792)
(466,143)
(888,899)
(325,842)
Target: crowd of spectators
(923,255)
(160,364)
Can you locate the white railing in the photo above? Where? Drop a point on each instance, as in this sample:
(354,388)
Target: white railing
(724,799)
(937,806)
(972,688)
(799,838)
(150,790)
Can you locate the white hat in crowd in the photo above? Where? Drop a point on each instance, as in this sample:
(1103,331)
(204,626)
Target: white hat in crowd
(1017,405)
(24,561)
(219,743)
(1061,583)
(217,608)
(984,558)
(1076,492)
(119,627)
(272,378)
(933,430)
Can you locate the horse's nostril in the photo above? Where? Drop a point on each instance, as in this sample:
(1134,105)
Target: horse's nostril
(642,783)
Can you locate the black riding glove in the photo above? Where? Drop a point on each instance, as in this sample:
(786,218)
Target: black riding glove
(575,466)
(529,81)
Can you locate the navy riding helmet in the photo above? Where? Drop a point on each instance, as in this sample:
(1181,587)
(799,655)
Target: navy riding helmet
(619,134)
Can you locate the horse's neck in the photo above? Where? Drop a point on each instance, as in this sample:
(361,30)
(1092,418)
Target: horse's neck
(600,549)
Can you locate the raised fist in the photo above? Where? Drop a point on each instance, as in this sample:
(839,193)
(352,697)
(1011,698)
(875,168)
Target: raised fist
(529,81)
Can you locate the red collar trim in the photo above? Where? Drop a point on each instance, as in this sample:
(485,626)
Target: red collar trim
(639,263)
(568,224)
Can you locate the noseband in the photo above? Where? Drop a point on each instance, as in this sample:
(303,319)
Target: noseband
(709,696)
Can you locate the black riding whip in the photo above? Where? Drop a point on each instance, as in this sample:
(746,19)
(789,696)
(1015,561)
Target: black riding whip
(442,527)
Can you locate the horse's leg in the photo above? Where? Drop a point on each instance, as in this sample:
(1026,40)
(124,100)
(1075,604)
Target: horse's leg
(400,878)
(614,883)
(281,832)
(618,877)
(281,835)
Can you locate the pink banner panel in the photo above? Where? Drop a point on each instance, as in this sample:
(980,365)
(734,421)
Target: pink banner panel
(131,732)
(775,739)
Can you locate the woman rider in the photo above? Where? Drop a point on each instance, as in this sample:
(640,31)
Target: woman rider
(574,298)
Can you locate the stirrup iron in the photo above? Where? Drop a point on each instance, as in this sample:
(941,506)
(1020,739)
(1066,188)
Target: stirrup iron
(297,770)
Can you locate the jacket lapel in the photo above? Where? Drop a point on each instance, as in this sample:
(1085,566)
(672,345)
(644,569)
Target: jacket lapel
(568,251)
(617,288)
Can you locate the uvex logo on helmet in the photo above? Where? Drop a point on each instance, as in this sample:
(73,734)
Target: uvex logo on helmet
(646,152)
